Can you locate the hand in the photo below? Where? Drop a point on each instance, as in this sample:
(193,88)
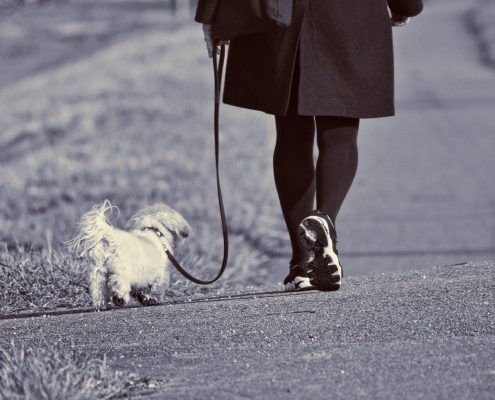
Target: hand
(399,20)
(208,39)
(212,43)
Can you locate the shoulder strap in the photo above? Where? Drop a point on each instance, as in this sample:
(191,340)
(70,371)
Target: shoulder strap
(218,72)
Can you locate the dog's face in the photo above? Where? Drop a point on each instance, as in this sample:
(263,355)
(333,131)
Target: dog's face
(171,225)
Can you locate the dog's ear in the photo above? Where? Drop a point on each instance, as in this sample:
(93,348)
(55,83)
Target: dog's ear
(176,224)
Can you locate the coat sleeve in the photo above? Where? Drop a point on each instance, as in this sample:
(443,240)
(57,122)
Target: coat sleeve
(405,8)
(206,11)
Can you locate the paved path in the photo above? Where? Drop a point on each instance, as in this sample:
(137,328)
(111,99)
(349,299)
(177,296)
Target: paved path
(416,335)
(425,192)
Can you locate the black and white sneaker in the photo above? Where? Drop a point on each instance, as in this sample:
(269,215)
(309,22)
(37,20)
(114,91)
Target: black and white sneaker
(317,233)
(298,279)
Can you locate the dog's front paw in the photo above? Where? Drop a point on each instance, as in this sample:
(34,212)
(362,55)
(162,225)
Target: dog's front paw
(147,300)
(152,302)
(118,301)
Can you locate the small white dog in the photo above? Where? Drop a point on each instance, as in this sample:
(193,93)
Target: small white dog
(131,262)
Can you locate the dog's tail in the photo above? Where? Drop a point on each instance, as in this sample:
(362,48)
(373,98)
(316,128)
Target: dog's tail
(94,233)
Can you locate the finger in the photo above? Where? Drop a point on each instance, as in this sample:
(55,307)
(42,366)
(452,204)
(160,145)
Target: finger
(210,48)
(400,21)
(207,29)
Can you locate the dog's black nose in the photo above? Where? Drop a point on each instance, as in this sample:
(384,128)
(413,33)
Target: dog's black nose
(184,234)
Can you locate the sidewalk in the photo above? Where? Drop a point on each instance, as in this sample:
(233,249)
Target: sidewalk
(424,190)
(423,193)
(427,334)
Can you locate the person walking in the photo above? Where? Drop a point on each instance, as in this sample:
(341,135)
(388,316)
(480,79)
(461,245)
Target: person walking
(331,67)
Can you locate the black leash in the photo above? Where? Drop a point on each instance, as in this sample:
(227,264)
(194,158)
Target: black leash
(218,71)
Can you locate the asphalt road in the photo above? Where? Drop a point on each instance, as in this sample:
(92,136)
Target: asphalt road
(427,334)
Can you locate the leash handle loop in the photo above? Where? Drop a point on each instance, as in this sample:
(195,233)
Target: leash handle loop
(218,73)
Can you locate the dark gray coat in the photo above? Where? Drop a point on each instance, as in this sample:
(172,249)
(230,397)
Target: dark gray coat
(346,59)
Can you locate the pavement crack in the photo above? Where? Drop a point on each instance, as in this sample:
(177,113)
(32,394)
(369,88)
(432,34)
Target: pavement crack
(294,312)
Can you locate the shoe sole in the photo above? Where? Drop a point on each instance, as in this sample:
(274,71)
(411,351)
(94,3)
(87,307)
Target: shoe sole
(301,285)
(323,276)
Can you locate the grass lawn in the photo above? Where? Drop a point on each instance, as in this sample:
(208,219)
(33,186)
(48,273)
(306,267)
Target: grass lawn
(131,123)
(49,374)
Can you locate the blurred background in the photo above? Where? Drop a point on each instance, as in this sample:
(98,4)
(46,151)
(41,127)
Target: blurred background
(114,98)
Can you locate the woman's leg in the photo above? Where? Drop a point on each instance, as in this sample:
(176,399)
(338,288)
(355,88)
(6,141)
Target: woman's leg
(294,174)
(335,171)
(337,161)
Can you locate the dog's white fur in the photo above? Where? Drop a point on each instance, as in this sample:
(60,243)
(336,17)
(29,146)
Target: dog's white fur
(129,262)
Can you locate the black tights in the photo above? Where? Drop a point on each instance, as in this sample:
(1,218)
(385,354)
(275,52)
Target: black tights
(296,179)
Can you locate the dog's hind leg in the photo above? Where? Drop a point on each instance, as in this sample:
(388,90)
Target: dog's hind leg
(98,286)
(120,289)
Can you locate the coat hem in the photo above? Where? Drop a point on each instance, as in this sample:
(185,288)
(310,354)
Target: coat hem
(277,113)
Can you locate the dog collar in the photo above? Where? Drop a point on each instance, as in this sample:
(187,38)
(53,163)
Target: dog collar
(159,234)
